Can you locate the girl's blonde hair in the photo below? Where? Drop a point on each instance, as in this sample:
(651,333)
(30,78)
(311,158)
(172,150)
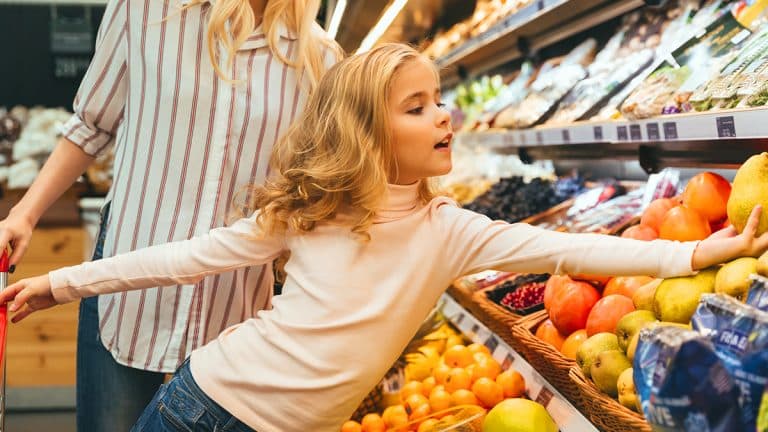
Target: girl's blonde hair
(337,156)
(232,21)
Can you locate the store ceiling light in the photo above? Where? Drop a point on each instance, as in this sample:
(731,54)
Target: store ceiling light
(385,21)
(338,12)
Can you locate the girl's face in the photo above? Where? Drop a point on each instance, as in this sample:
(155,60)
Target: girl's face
(421,127)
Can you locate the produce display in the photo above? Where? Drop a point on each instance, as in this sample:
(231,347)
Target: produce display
(521,295)
(512,199)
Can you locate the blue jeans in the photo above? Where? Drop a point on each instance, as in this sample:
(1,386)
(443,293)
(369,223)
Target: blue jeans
(110,396)
(181,405)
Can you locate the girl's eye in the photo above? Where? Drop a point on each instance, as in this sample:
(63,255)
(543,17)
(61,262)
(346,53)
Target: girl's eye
(417,110)
(440,105)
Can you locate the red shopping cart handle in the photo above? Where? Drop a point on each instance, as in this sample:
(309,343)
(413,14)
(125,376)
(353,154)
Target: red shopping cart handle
(3,308)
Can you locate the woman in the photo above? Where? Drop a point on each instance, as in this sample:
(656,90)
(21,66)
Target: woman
(192,96)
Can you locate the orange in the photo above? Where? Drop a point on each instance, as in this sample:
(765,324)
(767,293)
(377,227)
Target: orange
(449,419)
(458,356)
(625,285)
(488,391)
(488,368)
(420,411)
(464,397)
(427,425)
(708,194)
(476,348)
(351,426)
(656,211)
(414,401)
(684,224)
(395,416)
(439,400)
(480,357)
(413,387)
(441,372)
(549,334)
(572,343)
(437,388)
(512,383)
(457,379)
(427,385)
(373,423)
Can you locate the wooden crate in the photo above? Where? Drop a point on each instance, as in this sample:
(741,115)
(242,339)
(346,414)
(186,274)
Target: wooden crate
(41,349)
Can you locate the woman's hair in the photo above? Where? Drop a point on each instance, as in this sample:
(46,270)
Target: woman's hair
(232,21)
(337,155)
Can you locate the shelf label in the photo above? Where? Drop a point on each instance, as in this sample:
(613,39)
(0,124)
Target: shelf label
(508,139)
(523,139)
(507,363)
(598,131)
(621,133)
(545,395)
(726,127)
(566,136)
(670,130)
(459,319)
(539,137)
(491,343)
(635,133)
(653,131)
(474,329)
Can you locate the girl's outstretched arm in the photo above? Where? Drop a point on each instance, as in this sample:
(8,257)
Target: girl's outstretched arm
(480,244)
(182,262)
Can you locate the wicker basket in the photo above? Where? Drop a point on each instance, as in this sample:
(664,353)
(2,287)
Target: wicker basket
(548,361)
(606,413)
(497,319)
(465,298)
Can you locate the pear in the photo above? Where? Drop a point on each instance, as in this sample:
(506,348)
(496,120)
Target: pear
(733,277)
(633,347)
(627,391)
(607,368)
(593,346)
(630,324)
(748,190)
(762,264)
(676,298)
(643,297)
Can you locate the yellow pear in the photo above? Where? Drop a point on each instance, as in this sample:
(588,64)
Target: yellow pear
(627,392)
(749,188)
(676,298)
(733,277)
(762,264)
(643,297)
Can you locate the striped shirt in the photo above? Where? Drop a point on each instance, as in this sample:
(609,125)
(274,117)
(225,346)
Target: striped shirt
(185,143)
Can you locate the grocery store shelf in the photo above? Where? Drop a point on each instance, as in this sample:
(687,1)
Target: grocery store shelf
(565,415)
(537,25)
(718,139)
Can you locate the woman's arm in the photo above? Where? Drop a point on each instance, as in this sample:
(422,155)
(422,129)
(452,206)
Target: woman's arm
(182,262)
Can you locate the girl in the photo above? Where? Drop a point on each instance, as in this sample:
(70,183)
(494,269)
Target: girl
(192,95)
(371,251)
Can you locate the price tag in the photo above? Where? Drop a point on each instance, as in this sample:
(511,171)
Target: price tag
(634,132)
(507,363)
(726,127)
(545,395)
(670,130)
(474,329)
(621,133)
(653,131)
(539,137)
(491,343)
(523,139)
(459,319)
(598,131)
(566,136)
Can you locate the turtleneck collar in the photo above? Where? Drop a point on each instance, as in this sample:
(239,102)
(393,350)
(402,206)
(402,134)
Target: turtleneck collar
(401,201)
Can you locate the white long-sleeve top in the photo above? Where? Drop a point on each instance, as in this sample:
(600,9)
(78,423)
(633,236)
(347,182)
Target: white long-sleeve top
(349,307)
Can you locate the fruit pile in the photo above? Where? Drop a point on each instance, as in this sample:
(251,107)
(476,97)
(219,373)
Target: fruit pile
(512,200)
(462,375)
(522,295)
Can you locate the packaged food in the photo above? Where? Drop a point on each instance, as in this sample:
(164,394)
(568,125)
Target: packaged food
(758,293)
(682,383)
(522,295)
(739,333)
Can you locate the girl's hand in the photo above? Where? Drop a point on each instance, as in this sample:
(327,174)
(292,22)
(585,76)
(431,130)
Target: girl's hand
(27,296)
(727,244)
(15,231)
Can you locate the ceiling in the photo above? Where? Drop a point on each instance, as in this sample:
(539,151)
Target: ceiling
(417,20)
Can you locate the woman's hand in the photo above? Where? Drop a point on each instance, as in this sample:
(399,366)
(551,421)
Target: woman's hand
(727,244)
(27,296)
(16,231)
